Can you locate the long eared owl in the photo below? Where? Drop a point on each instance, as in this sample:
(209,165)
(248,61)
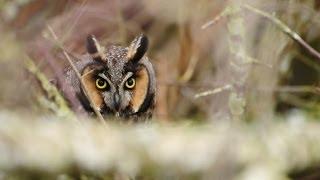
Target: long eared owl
(120,81)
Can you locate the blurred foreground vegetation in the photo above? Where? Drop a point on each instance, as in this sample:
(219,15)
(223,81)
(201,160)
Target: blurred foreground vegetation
(48,149)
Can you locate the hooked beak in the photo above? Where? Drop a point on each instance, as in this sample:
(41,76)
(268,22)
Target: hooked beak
(116,101)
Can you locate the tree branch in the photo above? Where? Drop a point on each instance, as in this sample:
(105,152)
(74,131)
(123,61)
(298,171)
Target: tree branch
(293,35)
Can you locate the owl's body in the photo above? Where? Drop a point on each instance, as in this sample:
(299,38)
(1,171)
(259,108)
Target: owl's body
(120,81)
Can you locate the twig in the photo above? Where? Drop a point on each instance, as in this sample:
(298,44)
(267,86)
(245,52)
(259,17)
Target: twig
(252,61)
(95,109)
(59,105)
(67,90)
(75,21)
(224,13)
(298,101)
(298,89)
(306,60)
(213,91)
(188,53)
(190,69)
(295,36)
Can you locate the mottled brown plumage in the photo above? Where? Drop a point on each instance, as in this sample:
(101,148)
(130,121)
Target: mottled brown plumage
(119,80)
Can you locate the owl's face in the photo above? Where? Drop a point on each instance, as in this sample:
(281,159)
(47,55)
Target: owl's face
(119,80)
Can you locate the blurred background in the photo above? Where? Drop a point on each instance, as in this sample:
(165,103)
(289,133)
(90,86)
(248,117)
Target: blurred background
(188,58)
(247,61)
(281,79)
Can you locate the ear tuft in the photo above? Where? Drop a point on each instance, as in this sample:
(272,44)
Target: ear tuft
(94,48)
(138,48)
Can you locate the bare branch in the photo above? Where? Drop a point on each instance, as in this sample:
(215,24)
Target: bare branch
(298,89)
(295,36)
(58,103)
(95,109)
(223,14)
(213,91)
(190,69)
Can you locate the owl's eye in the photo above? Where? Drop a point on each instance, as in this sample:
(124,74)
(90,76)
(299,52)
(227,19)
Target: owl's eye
(130,83)
(101,83)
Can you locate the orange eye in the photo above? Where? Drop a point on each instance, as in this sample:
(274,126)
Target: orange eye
(101,83)
(130,83)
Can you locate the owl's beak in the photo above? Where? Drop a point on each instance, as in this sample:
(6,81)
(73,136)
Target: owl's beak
(116,101)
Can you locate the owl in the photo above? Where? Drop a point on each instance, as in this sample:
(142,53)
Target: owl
(119,80)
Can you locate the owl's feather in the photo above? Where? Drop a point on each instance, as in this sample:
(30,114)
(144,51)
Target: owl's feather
(137,48)
(116,65)
(88,77)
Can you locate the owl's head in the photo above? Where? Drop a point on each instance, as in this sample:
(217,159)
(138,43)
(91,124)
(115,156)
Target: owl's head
(119,80)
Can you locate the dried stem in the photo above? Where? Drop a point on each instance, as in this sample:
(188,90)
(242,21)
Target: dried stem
(223,14)
(59,105)
(298,89)
(75,21)
(295,36)
(190,69)
(95,109)
(213,91)
(292,34)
